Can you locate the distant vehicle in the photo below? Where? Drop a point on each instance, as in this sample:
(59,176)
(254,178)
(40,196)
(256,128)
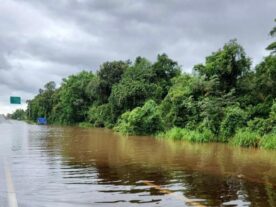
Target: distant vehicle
(41,121)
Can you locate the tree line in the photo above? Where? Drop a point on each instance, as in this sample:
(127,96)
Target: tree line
(224,99)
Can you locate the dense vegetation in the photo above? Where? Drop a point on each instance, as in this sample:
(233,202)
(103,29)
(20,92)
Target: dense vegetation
(19,114)
(225,99)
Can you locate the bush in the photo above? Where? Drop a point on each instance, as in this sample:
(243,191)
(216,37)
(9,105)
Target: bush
(144,120)
(246,138)
(260,125)
(179,107)
(176,133)
(85,125)
(265,126)
(101,116)
(234,118)
(200,136)
(268,141)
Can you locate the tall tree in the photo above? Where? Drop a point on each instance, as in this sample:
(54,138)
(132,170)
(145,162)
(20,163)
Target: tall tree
(272,46)
(228,64)
(42,104)
(73,102)
(109,74)
(164,69)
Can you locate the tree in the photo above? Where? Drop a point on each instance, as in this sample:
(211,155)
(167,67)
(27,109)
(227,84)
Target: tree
(272,46)
(101,116)
(73,101)
(266,78)
(19,114)
(179,108)
(134,88)
(141,120)
(234,118)
(42,104)
(227,64)
(164,70)
(109,74)
(212,109)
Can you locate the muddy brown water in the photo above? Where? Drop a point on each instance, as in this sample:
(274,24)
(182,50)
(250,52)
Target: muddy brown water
(71,166)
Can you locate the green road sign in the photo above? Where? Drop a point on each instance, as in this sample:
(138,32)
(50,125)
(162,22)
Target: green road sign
(15,100)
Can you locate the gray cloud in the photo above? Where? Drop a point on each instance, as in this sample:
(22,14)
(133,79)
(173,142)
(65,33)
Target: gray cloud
(48,40)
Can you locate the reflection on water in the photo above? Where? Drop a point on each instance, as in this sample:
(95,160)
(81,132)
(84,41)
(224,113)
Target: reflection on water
(69,166)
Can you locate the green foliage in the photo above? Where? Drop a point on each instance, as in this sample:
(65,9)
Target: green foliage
(129,94)
(42,104)
(164,70)
(85,125)
(143,81)
(201,136)
(259,125)
(101,116)
(266,78)
(264,125)
(272,46)
(73,102)
(204,135)
(260,110)
(227,64)
(211,104)
(141,120)
(268,141)
(234,118)
(213,109)
(110,73)
(246,138)
(174,133)
(19,114)
(179,107)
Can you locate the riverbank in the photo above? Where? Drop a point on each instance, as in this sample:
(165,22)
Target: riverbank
(242,138)
(225,99)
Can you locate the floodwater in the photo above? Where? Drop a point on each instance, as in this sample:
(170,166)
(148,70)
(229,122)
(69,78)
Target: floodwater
(70,166)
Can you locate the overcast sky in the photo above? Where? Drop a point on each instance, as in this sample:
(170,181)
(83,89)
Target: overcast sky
(47,40)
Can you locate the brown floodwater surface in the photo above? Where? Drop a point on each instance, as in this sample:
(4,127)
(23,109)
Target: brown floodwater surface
(71,166)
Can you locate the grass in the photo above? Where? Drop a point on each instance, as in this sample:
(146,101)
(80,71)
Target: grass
(85,125)
(174,133)
(268,141)
(188,135)
(246,138)
(29,121)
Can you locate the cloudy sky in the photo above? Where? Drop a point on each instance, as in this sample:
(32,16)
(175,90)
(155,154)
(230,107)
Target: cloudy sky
(42,41)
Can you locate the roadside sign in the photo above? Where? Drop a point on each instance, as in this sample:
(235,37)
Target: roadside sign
(41,120)
(15,100)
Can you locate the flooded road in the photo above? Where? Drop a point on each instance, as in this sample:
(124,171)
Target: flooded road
(70,166)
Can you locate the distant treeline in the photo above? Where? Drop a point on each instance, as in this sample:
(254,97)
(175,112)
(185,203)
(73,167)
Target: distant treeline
(224,99)
(19,114)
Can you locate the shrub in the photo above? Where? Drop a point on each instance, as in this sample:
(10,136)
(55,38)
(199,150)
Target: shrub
(265,126)
(234,118)
(260,125)
(100,116)
(179,107)
(268,141)
(85,125)
(141,120)
(176,133)
(204,135)
(246,138)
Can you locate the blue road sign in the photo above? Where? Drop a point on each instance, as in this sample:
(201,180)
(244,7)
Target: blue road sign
(42,120)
